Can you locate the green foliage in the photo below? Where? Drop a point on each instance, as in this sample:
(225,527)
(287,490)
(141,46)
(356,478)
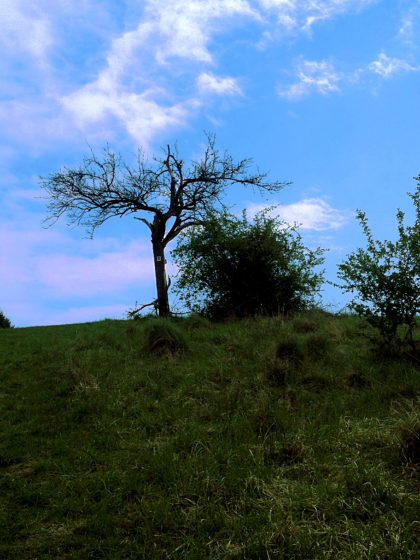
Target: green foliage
(386,279)
(4,321)
(163,336)
(231,266)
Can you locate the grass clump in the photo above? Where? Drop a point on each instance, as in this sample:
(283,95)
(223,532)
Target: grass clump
(296,352)
(409,432)
(356,379)
(318,345)
(161,336)
(291,349)
(196,322)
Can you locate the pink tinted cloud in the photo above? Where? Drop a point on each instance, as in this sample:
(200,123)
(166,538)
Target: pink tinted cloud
(85,314)
(43,270)
(106,273)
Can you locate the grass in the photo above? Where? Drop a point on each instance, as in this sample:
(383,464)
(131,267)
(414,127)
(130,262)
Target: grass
(111,451)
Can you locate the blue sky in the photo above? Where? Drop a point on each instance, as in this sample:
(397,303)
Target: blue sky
(323,93)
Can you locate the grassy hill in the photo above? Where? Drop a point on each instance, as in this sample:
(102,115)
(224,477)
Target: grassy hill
(255,439)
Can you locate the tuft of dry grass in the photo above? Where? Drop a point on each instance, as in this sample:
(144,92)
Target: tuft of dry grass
(409,432)
(289,453)
(291,349)
(277,372)
(356,379)
(304,325)
(163,337)
(196,322)
(318,345)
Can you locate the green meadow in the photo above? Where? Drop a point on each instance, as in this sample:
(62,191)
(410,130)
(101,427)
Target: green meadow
(264,438)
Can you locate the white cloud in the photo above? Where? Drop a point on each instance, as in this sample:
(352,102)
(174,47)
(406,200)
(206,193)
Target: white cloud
(310,213)
(136,83)
(406,27)
(312,76)
(408,22)
(24,28)
(386,66)
(208,83)
(305,13)
(141,116)
(172,38)
(127,90)
(185,27)
(318,10)
(322,77)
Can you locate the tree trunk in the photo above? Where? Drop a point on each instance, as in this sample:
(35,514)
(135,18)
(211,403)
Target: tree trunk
(160,275)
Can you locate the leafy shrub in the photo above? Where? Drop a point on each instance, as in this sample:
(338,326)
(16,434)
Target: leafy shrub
(5,322)
(162,336)
(229,266)
(386,279)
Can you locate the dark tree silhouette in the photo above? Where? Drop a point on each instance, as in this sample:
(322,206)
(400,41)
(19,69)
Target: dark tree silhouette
(174,196)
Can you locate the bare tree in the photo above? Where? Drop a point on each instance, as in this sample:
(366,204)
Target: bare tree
(175,197)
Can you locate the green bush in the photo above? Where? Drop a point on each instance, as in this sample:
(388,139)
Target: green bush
(229,266)
(5,322)
(161,336)
(386,279)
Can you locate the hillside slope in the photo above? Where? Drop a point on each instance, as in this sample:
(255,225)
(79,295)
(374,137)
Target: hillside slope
(255,439)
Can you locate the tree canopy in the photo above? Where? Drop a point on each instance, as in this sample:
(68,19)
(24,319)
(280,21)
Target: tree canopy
(166,195)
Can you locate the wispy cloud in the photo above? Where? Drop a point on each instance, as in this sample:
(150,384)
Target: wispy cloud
(208,83)
(304,14)
(186,27)
(49,266)
(310,213)
(322,77)
(312,76)
(69,275)
(81,314)
(318,10)
(171,34)
(134,82)
(139,113)
(407,25)
(176,35)
(26,29)
(386,66)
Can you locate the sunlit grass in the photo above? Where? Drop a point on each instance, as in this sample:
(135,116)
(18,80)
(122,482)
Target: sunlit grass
(111,451)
